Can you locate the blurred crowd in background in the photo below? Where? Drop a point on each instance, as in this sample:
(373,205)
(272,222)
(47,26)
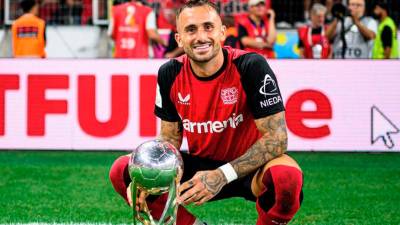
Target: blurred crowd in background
(289,12)
(57,12)
(251,24)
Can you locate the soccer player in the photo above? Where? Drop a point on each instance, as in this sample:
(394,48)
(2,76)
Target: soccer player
(132,27)
(29,32)
(229,105)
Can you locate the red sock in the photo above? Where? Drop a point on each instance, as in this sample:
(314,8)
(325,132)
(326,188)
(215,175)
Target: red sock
(156,207)
(120,179)
(281,200)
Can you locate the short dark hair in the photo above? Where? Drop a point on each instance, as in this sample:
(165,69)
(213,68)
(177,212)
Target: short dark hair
(383,4)
(197,3)
(27,5)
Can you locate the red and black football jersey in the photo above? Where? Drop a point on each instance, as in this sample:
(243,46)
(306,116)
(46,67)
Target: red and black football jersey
(218,112)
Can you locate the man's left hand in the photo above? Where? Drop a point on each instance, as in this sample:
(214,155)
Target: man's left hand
(202,187)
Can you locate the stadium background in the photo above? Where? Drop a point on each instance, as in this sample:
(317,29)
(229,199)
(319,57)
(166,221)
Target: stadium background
(82,33)
(343,120)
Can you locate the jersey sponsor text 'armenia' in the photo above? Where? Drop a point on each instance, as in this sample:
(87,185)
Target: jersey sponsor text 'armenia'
(212,126)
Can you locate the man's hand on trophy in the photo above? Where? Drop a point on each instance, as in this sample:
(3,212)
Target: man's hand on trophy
(202,187)
(140,200)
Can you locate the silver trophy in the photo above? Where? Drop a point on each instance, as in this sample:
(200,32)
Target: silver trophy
(156,167)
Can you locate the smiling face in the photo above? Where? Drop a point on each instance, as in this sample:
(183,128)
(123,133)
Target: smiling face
(200,33)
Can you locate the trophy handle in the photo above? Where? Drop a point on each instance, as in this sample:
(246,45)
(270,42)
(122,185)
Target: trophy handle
(171,208)
(133,197)
(170,211)
(144,216)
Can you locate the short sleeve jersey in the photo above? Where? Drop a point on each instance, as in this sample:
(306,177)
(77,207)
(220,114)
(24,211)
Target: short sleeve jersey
(218,112)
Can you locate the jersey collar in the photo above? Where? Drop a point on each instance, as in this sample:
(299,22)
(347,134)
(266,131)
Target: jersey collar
(216,74)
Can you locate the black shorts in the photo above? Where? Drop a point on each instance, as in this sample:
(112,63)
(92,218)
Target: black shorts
(237,188)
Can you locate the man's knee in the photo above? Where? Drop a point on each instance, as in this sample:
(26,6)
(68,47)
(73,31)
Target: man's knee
(283,195)
(258,184)
(119,175)
(119,169)
(288,182)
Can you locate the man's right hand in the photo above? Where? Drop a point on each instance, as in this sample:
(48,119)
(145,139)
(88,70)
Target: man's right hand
(140,199)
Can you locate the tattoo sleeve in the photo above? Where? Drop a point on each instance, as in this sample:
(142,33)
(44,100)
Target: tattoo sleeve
(171,132)
(272,144)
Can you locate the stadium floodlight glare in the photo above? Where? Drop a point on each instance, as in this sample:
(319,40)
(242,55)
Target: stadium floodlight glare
(156,167)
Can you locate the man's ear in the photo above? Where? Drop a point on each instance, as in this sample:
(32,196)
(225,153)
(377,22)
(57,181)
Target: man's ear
(223,33)
(178,40)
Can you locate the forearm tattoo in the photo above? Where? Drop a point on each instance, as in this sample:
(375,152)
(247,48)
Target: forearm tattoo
(171,132)
(272,144)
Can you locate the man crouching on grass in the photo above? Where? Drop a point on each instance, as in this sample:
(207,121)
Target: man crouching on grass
(237,144)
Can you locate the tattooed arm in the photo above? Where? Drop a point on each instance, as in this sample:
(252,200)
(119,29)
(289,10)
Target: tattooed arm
(171,132)
(272,144)
(206,184)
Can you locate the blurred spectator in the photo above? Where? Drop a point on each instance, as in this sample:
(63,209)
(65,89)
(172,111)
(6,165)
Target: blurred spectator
(132,27)
(166,14)
(86,12)
(352,35)
(70,12)
(257,31)
(49,10)
(386,44)
(172,50)
(29,32)
(327,3)
(231,32)
(313,43)
(394,12)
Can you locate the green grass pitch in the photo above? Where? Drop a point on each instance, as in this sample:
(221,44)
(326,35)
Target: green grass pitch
(73,187)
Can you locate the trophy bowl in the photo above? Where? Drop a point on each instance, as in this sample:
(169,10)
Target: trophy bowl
(155,165)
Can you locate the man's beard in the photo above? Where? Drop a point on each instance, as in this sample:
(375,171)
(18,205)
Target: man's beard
(192,55)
